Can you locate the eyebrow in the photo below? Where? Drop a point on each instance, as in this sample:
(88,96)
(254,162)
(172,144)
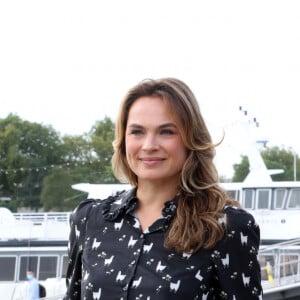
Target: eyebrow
(134,125)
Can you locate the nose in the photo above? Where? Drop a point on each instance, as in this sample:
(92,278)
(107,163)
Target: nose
(150,142)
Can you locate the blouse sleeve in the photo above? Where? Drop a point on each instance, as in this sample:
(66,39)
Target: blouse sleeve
(236,258)
(76,239)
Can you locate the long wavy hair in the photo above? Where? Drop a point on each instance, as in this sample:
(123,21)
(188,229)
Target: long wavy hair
(201,200)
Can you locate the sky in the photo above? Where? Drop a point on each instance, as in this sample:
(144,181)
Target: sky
(69,64)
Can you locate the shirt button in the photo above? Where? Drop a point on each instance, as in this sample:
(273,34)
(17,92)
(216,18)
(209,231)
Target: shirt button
(142,236)
(132,263)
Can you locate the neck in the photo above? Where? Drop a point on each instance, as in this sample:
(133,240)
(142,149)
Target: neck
(152,199)
(155,194)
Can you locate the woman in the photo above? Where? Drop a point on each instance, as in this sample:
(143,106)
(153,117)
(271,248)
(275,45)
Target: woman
(175,235)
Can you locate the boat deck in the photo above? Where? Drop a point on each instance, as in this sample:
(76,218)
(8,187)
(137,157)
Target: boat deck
(280,266)
(48,232)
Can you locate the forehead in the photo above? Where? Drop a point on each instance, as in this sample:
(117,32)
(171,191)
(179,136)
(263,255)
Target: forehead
(154,106)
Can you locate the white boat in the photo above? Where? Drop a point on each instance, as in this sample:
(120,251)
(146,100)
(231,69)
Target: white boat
(39,240)
(275,206)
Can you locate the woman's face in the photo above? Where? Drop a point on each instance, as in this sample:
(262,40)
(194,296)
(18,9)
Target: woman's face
(154,147)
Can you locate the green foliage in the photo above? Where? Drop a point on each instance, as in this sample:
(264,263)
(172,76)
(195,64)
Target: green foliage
(279,158)
(274,158)
(38,167)
(57,194)
(24,147)
(102,136)
(241,170)
(11,205)
(77,149)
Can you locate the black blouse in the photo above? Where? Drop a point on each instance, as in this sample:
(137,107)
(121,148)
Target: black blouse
(110,257)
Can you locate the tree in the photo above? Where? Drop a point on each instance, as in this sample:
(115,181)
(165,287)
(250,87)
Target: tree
(102,135)
(38,167)
(82,160)
(274,158)
(88,159)
(77,149)
(57,193)
(280,158)
(26,152)
(241,170)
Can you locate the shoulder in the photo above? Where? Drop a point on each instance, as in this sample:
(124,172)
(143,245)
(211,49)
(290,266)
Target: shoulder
(82,210)
(85,208)
(95,210)
(83,215)
(241,230)
(239,219)
(96,207)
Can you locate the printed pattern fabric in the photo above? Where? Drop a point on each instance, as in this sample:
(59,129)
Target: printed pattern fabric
(110,257)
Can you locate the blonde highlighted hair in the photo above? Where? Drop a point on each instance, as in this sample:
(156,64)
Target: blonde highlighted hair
(201,199)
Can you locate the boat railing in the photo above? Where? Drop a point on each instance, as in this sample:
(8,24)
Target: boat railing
(57,297)
(39,218)
(280,245)
(35,226)
(280,265)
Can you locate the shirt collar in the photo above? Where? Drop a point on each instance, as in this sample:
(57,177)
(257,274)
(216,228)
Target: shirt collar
(126,201)
(122,203)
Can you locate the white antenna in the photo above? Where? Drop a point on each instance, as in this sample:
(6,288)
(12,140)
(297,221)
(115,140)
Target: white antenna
(258,171)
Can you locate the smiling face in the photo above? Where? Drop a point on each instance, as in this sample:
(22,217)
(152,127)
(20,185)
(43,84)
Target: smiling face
(154,147)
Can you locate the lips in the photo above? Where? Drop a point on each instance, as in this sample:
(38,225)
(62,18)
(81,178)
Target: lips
(151,159)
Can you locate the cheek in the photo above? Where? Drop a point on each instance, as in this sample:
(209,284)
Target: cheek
(130,147)
(178,147)
(182,156)
(180,153)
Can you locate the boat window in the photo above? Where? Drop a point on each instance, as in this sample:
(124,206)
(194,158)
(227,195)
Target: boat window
(48,267)
(263,199)
(288,265)
(26,263)
(248,198)
(64,265)
(267,263)
(294,199)
(7,268)
(279,197)
(43,266)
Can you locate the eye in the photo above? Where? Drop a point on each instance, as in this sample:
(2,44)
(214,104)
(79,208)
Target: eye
(167,131)
(136,132)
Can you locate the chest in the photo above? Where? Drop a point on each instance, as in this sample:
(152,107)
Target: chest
(120,261)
